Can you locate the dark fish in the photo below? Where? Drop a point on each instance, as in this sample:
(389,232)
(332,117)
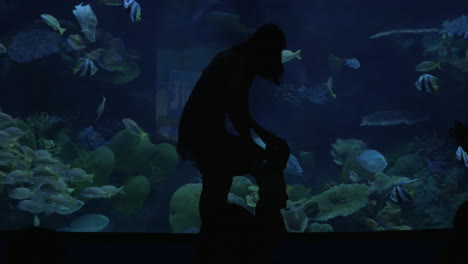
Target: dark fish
(427,83)
(400,194)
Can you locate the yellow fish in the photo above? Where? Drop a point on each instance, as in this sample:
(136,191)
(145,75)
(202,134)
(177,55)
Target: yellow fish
(53,23)
(427,66)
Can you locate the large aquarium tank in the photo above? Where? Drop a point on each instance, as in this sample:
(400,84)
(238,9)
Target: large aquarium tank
(91,93)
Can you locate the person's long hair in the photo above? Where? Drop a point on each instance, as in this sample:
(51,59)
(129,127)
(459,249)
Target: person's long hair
(264,48)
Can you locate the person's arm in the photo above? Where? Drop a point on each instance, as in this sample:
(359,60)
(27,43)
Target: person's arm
(264,134)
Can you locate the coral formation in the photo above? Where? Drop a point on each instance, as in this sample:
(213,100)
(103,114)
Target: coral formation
(297,192)
(100,162)
(163,162)
(239,186)
(407,165)
(132,153)
(136,191)
(184,212)
(342,147)
(295,220)
(319,228)
(456,27)
(341,200)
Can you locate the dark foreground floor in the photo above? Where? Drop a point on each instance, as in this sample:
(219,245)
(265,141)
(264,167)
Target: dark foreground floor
(383,247)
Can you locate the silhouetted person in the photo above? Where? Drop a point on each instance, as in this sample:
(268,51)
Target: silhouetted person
(221,93)
(460,132)
(456,251)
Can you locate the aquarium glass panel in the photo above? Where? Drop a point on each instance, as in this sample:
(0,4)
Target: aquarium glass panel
(116,114)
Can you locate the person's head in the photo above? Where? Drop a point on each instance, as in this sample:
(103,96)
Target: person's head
(264,51)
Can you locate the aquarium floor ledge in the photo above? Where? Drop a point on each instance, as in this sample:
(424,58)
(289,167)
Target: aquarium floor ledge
(372,247)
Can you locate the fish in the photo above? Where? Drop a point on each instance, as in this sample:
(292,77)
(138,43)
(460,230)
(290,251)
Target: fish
(94,192)
(111,190)
(77,174)
(87,223)
(36,221)
(42,154)
(84,67)
(53,23)
(132,126)
(30,206)
(329,85)
(427,83)
(15,133)
(127,3)
(372,161)
(400,194)
(426,66)
(288,55)
(87,20)
(6,158)
(75,41)
(45,162)
(100,108)
(5,139)
(5,118)
(352,63)
(111,2)
(133,9)
(20,193)
(353,176)
(461,155)
(3,50)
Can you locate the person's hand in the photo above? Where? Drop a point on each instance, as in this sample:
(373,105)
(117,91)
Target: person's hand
(278,153)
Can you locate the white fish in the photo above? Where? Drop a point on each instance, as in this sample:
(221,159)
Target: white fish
(30,206)
(2,49)
(111,190)
(287,55)
(87,223)
(20,193)
(87,20)
(353,176)
(372,160)
(352,63)
(461,155)
(100,108)
(94,192)
(132,127)
(77,174)
(15,132)
(134,11)
(36,221)
(53,23)
(5,118)
(427,83)
(127,3)
(84,67)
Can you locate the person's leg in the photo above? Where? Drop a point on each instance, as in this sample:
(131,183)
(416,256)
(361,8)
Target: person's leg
(215,189)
